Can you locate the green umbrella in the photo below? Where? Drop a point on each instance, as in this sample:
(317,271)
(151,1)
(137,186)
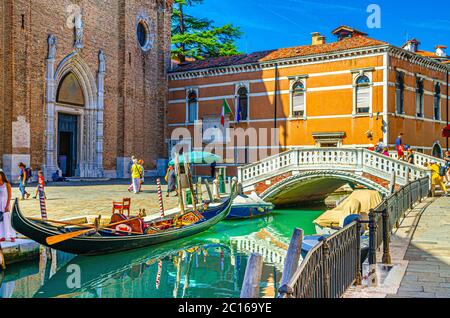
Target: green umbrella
(198,157)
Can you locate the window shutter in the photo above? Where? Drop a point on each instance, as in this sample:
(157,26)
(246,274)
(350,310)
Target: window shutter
(363,99)
(298,102)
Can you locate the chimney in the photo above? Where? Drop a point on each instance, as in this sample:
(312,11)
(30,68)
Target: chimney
(318,39)
(440,50)
(411,45)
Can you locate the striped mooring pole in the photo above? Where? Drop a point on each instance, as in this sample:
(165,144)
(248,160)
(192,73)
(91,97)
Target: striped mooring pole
(158,276)
(160,198)
(42,202)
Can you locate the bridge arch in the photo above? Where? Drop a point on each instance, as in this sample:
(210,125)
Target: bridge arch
(315,185)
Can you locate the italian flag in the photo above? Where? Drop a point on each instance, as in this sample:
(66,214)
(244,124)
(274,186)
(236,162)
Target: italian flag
(225,111)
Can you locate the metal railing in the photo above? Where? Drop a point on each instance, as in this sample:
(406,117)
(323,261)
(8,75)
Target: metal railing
(387,216)
(329,269)
(334,264)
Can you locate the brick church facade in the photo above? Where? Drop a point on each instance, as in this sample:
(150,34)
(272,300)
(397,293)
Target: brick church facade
(83,85)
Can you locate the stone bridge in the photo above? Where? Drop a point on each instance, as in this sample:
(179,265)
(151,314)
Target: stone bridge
(311,174)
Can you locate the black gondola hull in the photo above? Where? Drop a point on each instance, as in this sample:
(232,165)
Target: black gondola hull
(88,245)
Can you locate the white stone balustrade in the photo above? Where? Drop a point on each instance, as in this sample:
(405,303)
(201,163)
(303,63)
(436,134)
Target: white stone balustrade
(358,161)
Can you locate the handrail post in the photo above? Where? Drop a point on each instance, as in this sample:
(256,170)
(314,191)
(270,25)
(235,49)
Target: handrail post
(358,279)
(326,267)
(372,248)
(386,237)
(293,256)
(252,278)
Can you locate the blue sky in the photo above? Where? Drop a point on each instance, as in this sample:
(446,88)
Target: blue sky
(270,24)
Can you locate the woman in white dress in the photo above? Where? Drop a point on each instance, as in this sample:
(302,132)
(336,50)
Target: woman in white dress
(6,231)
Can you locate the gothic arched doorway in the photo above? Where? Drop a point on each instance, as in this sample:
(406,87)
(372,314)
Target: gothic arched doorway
(69,101)
(74,128)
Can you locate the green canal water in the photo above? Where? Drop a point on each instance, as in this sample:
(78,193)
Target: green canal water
(208,265)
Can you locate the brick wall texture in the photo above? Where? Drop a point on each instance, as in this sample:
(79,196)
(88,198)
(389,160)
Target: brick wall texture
(135,82)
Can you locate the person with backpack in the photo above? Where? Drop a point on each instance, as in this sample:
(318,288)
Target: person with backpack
(24,176)
(436,178)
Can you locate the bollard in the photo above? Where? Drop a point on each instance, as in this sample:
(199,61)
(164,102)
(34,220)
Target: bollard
(386,237)
(293,256)
(252,278)
(208,189)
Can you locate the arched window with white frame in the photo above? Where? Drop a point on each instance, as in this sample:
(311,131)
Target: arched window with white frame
(362,92)
(192,106)
(242,104)
(298,99)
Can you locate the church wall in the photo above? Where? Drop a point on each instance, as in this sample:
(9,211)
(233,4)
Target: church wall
(135,81)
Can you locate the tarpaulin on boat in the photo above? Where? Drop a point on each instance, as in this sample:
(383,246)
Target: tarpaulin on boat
(359,202)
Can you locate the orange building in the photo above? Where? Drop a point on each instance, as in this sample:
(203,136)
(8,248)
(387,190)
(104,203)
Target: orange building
(348,93)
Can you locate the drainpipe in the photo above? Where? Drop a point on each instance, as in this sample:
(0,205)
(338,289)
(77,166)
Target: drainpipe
(276,97)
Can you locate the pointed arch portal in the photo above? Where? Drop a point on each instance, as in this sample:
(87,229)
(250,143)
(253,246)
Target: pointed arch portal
(74,125)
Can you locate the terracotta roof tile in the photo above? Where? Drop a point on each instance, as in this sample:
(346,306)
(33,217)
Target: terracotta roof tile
(284,53)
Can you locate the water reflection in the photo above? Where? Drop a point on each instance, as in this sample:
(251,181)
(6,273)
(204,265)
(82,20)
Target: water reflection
(208,265)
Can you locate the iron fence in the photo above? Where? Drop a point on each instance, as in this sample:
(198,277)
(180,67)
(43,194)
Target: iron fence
(330,268)
(334,264)
(390,212)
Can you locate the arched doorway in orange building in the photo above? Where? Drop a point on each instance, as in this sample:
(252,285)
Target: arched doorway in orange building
(437,150)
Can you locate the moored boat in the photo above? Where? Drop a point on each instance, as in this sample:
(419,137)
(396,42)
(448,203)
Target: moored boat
(106,240)
(249,207)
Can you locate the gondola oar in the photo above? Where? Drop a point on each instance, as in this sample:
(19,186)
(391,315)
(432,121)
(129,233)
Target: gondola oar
(52,240)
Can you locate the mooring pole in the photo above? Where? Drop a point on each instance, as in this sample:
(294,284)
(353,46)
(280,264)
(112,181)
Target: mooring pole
(293,256)
(252,278)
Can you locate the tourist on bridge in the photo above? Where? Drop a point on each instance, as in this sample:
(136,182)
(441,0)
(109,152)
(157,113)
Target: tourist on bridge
(23,179)
(136,174)
(399,147)
(447,167)
(410,155)
(436,178)
(6,231)
(380,146)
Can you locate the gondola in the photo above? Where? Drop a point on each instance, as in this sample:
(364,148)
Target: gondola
(105,242)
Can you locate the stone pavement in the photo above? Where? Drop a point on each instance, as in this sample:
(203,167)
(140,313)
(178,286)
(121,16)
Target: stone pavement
(428,271)
(69,199)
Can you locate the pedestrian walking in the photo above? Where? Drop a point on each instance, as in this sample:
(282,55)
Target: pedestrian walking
(171,181)
(447,167)
(41,183)
(136,175)
(24,175)
(130,165)
(399,147)
(213,170)
(6,230)
(141,182)
(410,155)
(436,178)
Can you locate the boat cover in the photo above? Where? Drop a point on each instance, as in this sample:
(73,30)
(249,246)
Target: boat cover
(359,202)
